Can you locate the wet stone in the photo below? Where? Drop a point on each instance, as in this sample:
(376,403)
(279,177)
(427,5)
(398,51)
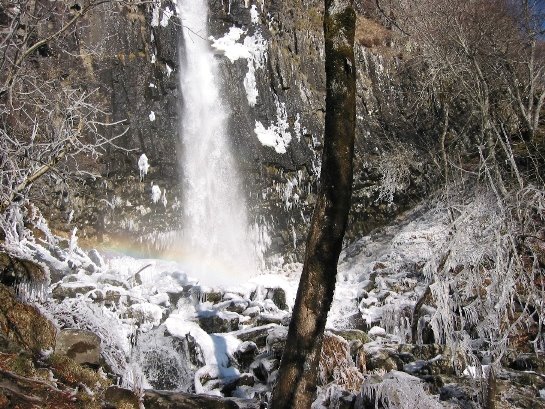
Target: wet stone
(70,290)
(246,353)
(218,322)
(80,345)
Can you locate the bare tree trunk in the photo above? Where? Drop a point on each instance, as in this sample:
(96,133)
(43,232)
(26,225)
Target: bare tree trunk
(297,375)
(491,390)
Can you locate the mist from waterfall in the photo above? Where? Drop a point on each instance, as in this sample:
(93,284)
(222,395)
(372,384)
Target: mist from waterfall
(216,237)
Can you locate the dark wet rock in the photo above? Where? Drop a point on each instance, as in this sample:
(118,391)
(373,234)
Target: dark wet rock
(246,353)
(14,270)
(424,352)
(71,278)
(206,295)
(340,399)
(525,362)
(426,360)
(218,321)
(178,400)
(245,379)
(252,311)
(264,367)
(238,306)
(461,395)
(175,297)
(533,379)
(80,345)
(278,296)
(232,304)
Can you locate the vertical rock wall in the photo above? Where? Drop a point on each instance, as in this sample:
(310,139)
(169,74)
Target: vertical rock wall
(276,100)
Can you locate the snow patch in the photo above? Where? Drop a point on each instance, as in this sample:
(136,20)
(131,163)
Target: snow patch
(229,45)
(477,373)
(155,193)
(254,14)
(253,49)
(377,331)
(155,16)
(216,349)
(152,116)
(148,314)
(143,166)
(167,14)
(277,135)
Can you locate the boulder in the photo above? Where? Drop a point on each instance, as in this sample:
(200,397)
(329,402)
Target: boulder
(264,367)
(70,290)
(112,281)
(246,353)
(278,296)
(258,335)
(380,360)
(116,397)
(218,321)
(96,258)
(279,317)
(252,311)
(80,345)
(276,340)
(245,379)
(179,400)
(109,296)
(238,306)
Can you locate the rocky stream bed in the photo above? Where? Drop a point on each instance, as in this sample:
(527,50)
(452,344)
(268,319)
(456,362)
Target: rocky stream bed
(113,331)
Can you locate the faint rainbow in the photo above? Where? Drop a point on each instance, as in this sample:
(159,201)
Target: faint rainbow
(181,255)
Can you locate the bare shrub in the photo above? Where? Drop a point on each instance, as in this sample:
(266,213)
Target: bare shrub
(336,365)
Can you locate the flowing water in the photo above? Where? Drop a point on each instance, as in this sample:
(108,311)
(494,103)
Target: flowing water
(216,240)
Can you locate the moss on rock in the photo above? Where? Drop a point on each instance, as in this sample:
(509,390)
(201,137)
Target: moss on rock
(23,324)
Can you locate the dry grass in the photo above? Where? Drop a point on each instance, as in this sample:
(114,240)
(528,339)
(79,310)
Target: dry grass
(371,34)
(74,374)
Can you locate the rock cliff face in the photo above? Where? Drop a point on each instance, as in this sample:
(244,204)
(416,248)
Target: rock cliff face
(276,98)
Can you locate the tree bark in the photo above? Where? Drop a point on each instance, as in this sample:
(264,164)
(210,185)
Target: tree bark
(297,376)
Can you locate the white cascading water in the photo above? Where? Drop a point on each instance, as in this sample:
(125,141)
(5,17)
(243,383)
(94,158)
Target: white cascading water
(216,242)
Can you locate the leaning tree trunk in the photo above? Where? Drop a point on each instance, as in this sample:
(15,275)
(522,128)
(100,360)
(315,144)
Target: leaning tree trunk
(298,371)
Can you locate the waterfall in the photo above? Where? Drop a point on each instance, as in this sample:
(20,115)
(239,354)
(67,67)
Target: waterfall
(216,237)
